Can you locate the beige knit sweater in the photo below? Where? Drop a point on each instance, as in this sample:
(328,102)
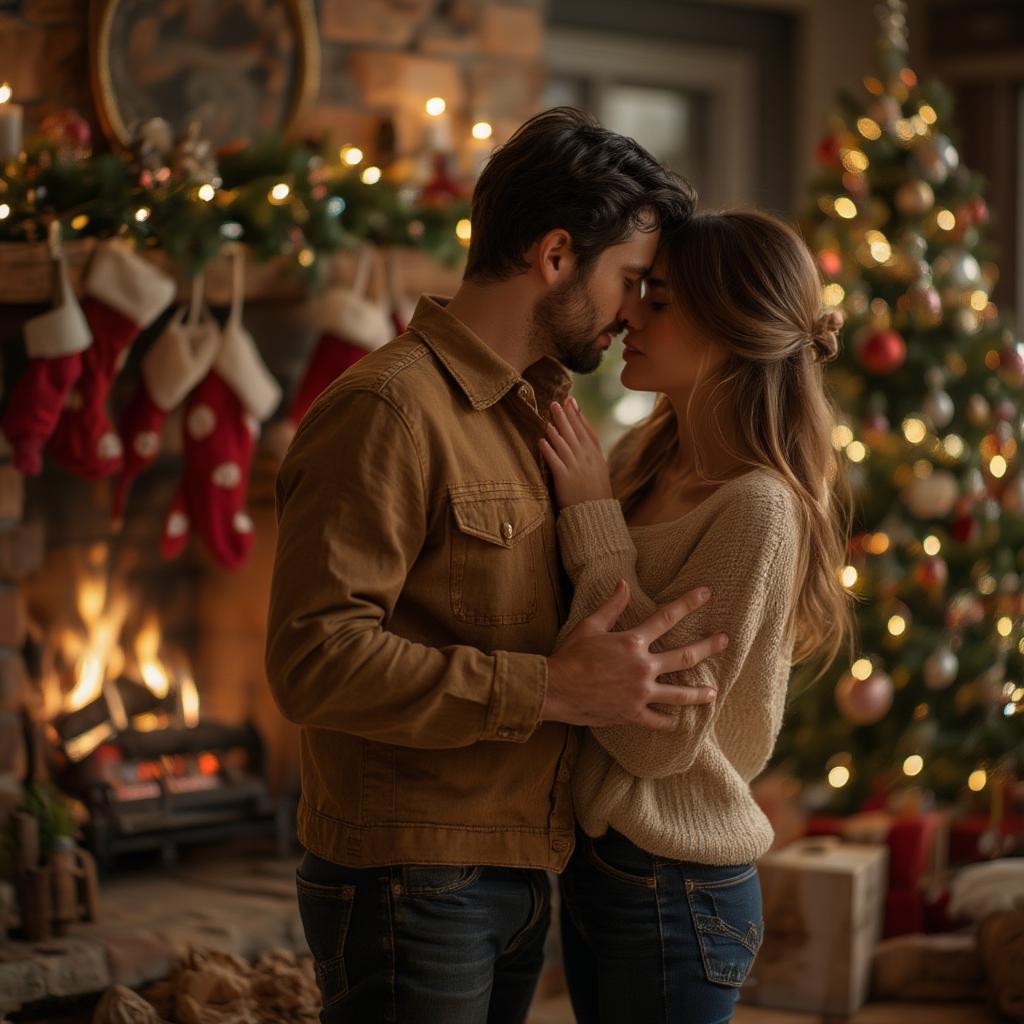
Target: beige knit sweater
(685,793)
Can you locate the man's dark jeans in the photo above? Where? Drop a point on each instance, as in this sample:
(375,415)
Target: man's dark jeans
(655,940)
(424,945)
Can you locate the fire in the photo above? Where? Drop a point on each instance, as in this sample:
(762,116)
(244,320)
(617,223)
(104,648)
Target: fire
(189,701)
(152,670)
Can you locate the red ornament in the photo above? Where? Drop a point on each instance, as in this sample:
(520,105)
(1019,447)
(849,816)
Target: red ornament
(932,573)
(883,352)
(827,151)
(69,132)
(965,529)
(442,187)
(978,209)
(830,262)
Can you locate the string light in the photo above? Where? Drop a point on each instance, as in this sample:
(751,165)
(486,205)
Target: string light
(436,106)
(954,446)
(897,625)
(5,211)
(371,175)
(1004,627)
(5,92)
(833,294)
(856,451)
(482,130)
(838,776)
(979,301)
(877,543)
(853,160)
(913,765)
(848,575)
(280,192)
(869,128)
(842,435)
(351,155)
(977,780)
(997,467)
(879,246)
(464,230)
(207,192)
(945,220)
(306,257)
(927,113)
(142,214)
(79,222)
(845,207)
(914,430)
(861,669)
(932,545)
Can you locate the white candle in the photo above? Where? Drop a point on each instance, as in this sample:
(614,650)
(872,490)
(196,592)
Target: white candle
(11,119)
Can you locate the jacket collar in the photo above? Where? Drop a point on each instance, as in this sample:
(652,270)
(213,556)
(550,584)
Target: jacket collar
(480,372)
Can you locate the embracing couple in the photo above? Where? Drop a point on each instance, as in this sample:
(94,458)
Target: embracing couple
(510,656)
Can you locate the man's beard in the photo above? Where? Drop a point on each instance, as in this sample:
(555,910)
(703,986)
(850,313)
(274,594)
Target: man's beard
(564,325)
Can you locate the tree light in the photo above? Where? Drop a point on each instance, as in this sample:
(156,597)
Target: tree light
(464,230)
(897,625)
(856,452)
(351,155)
(207,192)
(832,294)
(914,430)
(945,220)
(5,211)
(842,435)
(5,93)
(977,780)
(869,128)
(482,130)
(1004,627)
(927,113)
(997,467)
(436,106)
(861,669)
(844,206)
(142,214)
(848,575)
(370,176)
(280,192)
(306,257)
(838,777)
(913,765)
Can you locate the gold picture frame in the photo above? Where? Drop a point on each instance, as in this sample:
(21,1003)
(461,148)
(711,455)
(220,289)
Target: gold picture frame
(242,68)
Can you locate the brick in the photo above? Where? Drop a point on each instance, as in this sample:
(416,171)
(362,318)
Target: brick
(74,966)
(394,81)
(55,12)
(21,551)
(344,126)
(382,22)
(12,493)
(21,981)
(511,32)
(12,744)
(12,681)
(504,91)
(13,619)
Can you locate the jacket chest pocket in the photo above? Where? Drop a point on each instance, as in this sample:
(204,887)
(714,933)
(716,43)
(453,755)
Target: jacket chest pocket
(496,551)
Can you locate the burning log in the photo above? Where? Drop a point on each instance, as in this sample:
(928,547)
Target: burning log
(134,699)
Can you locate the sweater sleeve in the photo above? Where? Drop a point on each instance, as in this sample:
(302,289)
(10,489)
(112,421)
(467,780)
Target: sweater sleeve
(747,556)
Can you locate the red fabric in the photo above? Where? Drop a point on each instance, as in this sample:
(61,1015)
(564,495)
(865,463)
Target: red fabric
(331,358)
(35,405)
(85,441)
(140,429)
(219,438)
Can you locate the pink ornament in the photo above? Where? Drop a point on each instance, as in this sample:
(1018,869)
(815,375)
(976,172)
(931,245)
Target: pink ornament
(864,701)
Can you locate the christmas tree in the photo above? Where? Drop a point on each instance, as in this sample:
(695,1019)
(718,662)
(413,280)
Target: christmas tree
(929,387)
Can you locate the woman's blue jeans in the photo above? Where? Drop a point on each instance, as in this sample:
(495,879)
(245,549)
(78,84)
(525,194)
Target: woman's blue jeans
(655,940)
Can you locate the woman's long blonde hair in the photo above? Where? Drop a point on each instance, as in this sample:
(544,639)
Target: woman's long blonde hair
(747,281)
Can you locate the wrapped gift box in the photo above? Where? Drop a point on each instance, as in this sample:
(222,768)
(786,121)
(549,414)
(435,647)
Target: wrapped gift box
(823,908)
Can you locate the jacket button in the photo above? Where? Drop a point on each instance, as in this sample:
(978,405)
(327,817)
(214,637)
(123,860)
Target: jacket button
(507,530)
(524,392)
(559,845)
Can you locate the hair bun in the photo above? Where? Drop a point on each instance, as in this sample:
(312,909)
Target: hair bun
(825,339)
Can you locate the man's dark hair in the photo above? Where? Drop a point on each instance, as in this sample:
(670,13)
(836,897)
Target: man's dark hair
(561,169)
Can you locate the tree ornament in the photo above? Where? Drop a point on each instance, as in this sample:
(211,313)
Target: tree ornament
(957,268)
(1013,495)
(940,668)
(931,497)
(914,198)
(883,351)
(827,151)
(931,573)
(936,158)
(864,701)
(939,408)
(924,304)
(979,412)
(977,211)
(965,529)
(965,321)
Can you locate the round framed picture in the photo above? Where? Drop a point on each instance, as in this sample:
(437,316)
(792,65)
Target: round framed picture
(240,68)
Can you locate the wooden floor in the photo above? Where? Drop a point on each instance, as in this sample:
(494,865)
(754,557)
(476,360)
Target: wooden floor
(556,1010)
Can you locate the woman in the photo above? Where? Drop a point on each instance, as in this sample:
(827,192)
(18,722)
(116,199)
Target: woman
(731,483)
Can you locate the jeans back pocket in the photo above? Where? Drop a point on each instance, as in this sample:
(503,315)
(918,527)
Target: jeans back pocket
(727,917)
(326,911)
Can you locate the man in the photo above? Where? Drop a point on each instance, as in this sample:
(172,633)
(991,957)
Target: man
(417,595)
